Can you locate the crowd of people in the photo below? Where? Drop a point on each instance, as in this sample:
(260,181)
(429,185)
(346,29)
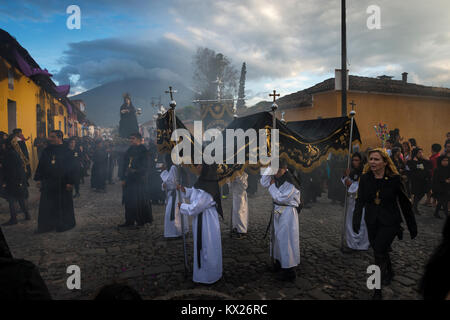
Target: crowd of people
(381,189)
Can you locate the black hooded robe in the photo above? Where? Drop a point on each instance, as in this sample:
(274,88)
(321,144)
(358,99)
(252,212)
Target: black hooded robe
(77,170)
(156,194)
(55,170)
(99,172)
(336,190)
(135,197)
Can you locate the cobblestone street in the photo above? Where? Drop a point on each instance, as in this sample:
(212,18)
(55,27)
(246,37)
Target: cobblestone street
(154,266)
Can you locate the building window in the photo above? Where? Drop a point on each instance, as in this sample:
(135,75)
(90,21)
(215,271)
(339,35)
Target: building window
(53,108)
(40,120)
(61,110)
(59,125)
(65,125)
(10,79)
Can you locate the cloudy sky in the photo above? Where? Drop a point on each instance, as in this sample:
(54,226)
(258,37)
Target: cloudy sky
(288,45)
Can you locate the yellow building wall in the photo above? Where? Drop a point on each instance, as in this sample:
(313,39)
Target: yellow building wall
(26,96)
(426,119)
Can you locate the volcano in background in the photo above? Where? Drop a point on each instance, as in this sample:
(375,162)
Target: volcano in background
(103,102)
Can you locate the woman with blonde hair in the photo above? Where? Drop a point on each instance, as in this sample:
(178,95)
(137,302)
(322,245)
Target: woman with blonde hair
(380,193)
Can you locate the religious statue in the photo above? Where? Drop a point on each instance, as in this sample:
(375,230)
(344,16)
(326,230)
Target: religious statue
(128,121)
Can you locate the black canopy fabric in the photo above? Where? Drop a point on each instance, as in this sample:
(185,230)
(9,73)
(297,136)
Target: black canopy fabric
(164,125)
(304,144)
(318,129)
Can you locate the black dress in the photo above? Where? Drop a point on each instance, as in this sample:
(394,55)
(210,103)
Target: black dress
(55,170)
(135,197)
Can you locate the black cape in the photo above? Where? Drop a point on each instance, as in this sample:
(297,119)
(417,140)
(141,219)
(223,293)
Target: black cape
(55,170)
(138,206)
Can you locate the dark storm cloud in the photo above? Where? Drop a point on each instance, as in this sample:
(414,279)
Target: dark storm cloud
(100,61)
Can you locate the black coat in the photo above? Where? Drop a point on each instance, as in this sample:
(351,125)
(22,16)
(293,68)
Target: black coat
(55,170)
(392,193)
(14,175)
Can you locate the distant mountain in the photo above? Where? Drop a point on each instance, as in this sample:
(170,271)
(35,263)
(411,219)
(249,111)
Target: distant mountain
(103,102)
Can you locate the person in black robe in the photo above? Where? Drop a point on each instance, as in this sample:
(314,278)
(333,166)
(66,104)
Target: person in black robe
(14,182)
(40,143)
(156,194)
(134,177)
(420,175)
(382,194)
(55,178)
(111,162)
(336,190)
(77,161)
(85,163)
(99,172)
(319,176)
(441,186)
(128,121)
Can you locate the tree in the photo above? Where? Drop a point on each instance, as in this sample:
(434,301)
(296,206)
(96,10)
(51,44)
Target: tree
(241,95)
(208,66)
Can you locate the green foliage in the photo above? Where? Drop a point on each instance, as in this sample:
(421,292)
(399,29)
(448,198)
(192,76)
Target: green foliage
(208,66)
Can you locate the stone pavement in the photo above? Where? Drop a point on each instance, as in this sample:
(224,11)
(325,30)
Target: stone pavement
(154,266)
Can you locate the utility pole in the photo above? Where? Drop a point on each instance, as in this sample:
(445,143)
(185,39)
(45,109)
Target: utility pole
(344,59)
